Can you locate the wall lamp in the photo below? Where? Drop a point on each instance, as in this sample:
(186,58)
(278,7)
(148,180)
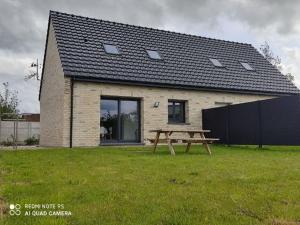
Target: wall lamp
(156,104)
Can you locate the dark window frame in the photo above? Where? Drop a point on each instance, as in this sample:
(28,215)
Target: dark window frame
(174,120)
(119,99)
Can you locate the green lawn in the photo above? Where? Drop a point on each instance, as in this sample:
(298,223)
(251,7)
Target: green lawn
(118,185)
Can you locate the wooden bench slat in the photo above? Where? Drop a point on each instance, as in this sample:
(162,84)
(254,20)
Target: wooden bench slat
(196,139)
(185,140)
(153,139)
(164,140)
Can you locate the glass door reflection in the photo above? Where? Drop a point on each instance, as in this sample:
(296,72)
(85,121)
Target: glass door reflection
(129,121)
(109,120)
(119,120)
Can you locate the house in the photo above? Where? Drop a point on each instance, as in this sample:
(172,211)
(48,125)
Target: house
(111,83)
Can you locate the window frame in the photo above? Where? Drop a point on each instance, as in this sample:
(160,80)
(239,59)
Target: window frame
(173,120)
(118,140)
(153,50)
(243,65)
(111,53)
(213,62)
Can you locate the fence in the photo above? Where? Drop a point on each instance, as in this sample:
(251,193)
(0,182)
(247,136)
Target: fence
(18,130)
(268,122)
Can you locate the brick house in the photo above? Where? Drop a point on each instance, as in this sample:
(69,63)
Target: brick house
(110,83)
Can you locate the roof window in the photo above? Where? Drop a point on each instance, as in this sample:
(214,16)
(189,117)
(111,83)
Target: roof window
(216,62)
(111,49)
(153,54)
(247,66)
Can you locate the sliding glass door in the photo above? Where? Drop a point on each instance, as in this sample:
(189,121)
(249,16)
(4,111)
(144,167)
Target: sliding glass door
(109,120)
(119,120)
(129,120)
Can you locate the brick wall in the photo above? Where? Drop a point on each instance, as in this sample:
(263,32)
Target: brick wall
(52,101)
(86,128)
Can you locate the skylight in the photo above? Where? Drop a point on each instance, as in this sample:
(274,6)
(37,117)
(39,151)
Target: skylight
(216,62)
(111,49)
(153,54)
(246,66)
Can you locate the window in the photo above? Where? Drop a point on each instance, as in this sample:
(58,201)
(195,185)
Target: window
(246,66)
(176,111)
(216,62)
(111,49)
(153,54)
(119,120)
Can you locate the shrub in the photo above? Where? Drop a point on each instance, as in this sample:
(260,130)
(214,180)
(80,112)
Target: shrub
(32,141)
(8,142)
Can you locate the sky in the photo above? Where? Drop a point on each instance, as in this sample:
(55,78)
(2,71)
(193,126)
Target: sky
(23,27)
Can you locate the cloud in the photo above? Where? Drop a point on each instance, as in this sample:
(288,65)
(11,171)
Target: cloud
(257,14)
(18,31)
(290,64)
(262,14)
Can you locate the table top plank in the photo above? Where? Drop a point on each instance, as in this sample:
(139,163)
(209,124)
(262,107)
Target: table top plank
(179,131)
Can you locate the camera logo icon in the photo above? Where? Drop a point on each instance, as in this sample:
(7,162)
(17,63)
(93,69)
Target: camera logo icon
(14,209)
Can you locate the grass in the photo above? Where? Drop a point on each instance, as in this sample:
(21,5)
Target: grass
(110,185)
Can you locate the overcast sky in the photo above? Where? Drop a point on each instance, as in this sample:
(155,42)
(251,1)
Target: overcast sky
(23,26)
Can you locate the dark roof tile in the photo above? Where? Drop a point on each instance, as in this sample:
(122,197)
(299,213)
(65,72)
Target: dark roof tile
(185,58)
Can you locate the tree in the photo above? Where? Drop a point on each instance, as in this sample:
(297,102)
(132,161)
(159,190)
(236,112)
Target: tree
(290,77)
(8,102)
(274,60)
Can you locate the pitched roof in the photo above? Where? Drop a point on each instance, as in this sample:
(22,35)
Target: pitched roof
(185,58)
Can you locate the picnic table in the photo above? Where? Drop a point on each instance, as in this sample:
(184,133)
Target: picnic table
(189,140)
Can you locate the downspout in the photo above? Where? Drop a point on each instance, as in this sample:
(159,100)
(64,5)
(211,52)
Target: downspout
(71,113)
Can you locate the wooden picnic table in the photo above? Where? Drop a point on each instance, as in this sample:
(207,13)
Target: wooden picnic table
(191,139)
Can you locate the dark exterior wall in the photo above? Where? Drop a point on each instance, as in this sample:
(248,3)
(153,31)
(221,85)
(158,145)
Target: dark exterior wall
(268,122)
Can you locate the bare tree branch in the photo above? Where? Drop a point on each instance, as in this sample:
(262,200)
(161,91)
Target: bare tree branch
(274,60)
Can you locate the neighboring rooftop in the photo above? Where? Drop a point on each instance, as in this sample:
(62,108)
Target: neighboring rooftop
(185,59)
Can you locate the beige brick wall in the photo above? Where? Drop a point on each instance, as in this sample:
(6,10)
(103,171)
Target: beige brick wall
(54,98)
(66,112)
(86,115)
(86,128)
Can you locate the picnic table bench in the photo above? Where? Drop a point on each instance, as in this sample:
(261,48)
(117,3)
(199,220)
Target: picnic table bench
(189,140)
